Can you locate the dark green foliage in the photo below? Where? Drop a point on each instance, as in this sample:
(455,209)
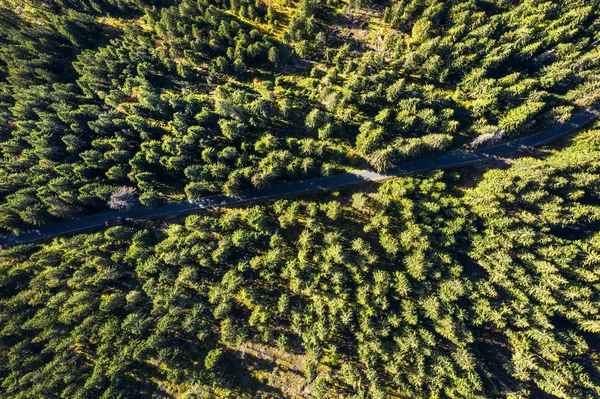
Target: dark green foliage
(210,96)
(419,290)
(88,327)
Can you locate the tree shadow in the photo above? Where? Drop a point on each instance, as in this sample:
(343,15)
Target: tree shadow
(240,373)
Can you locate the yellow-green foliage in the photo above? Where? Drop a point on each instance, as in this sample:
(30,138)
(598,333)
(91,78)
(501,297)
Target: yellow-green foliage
(176,98)
(421,290)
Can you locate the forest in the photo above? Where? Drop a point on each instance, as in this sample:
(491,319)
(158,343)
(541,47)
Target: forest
(475,283)
(420,289)
(181,99)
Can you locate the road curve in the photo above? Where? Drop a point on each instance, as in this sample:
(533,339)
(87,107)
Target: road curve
(449,160)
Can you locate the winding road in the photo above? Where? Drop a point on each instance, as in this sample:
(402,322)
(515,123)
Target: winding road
(449,160)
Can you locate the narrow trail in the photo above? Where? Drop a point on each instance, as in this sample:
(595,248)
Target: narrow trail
(449,160)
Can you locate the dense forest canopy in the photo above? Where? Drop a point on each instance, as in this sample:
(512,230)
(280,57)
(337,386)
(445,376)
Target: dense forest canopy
(451,284)
(419,290)
(181,99)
